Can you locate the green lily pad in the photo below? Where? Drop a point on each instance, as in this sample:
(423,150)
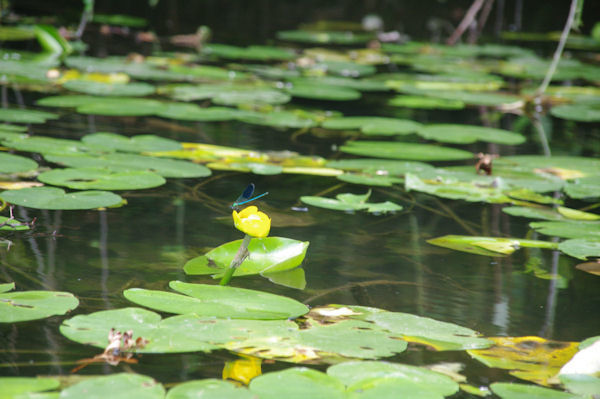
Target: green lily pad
(51,145)
(577,112)
(356,84)
(5,287)
(346,68)
(16,115)
(192,112)
(533,212)
(15,33)
(227,94)
(466,134)
(507,390)
(267,255)
(369,180)
(424,102)
(568,229)
(209,388)
(581,384)
(14,163)
(33,305)
(581,248)
(121,106)
(473,98)
(138,70)
(251,96)
(120,386)
(408,151)
(322,37)
(423,330)
(297,382)
(253,53)
(380,167)
(566,167)
(27,387)
(56,198)
(330,203)
(137,89)
(101,179)
(218,301)
(282,119)
(132,162)
(323,92)
(139,143)
(372,125)
(489,246)
(585,187)
(93,329)
(392,380)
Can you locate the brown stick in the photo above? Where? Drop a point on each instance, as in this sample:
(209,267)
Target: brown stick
(466,21)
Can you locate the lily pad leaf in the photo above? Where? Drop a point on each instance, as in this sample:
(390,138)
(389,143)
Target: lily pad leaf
(383,207)
(435,334)
(380,167)
(140,143)
(423,102)
(507,390)
(101,179)
(25,115)
(402,380)
(323,92)
(120,386)
(581,248)
(218,301)
(136,89)
(569,229)
(300,382)
(330,203)
(465,134)
(489,246)
(56,198)
(409,151)
(12,225)
(5,287)
(209,388)
(533,212)
(51,145)
(27,387)
(585,187)
(132,162)
(93,329)
(33,305)
(372,125)
(330,37)
(581,384)
(267,255)
(577,112)
(10,163)
(369,180)
(192,112)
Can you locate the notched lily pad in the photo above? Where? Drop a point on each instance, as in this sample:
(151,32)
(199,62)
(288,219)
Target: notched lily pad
(101,179)
(139,143)
(33,305)
(56,198)
(10,163)
(218,301)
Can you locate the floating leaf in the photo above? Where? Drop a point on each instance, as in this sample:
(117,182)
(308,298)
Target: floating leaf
(56,198)
(530,358)
(300,382)
(51,145)
(330,203)
(121,106)
(409,151)
(132,162)
(267,255)
(120,386)
(332,37)
(581,248)
(209,388)
(423,102)
(284,119)
(137,89)
(15,33)
(33,305)
(14,163)
(423,330)
(25,115)
(473,98)
(577,112)
(356,84)
(255,53)
(584,187)
(465,134)
(92,329)
(12,225)
(507,390)
(139,143)
(192,112)
(565,167)
(218,301)
(533,212)
(372,125)
(24,387)
(120,20)
(489,246)
(5,287)
(568,229)
(369,180)
(101,179)
(392,380)
(323,92)
(590,267)
(380,167)
(575,214)
(584,385)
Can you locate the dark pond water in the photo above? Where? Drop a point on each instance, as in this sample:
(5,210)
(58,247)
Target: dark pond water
(355,259)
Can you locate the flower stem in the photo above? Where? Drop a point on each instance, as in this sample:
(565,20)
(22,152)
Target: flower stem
(239,258)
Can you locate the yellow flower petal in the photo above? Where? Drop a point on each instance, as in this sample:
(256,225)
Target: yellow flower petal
(252,222)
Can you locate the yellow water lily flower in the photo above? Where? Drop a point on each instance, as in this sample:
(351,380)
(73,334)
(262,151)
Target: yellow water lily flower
(252,222)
